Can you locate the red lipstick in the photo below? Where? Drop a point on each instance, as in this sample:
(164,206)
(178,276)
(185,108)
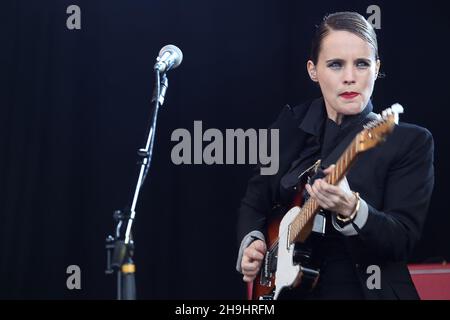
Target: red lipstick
(349,95)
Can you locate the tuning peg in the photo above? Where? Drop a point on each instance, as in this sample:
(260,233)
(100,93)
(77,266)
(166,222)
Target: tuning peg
(397,108)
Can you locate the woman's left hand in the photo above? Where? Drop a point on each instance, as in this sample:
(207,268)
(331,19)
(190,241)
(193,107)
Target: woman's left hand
(339,199)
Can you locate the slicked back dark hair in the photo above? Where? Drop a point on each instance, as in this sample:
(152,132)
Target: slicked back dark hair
(343,21)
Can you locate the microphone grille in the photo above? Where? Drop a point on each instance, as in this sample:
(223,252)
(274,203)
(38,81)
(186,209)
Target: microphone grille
(173,49)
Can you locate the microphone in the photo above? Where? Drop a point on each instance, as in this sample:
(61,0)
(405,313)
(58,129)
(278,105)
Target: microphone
(169,57)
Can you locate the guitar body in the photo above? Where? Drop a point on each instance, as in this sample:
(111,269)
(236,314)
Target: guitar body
(264,286)
(285,266)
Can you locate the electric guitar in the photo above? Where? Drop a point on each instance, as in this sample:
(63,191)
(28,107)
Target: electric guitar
(287,263)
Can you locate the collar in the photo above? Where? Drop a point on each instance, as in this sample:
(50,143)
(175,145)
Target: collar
(315,116)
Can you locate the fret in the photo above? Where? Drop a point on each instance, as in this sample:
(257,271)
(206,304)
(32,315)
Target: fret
(309,209)
(340,167)
(336,174)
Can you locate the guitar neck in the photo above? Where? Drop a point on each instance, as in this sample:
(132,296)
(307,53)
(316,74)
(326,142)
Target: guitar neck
(311,208)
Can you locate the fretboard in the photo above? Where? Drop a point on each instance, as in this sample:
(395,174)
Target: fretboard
(310,208)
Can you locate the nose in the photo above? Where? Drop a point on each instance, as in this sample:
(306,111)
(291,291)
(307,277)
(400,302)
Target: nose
(349,75)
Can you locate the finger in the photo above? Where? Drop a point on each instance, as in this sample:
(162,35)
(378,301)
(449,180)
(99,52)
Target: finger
(247,254)
(251,267)
(337,189)
(323,185)
(335,193)
(324,202)
(330,201)
(245,260)
(252,254)
(255,255)
(329,188)
(260,246)
(247,265)
(322,198)
(319,184)
(330,195)
(250,273)
(308,189)
(329,169)
(258,256)
(312,193)
(317,189)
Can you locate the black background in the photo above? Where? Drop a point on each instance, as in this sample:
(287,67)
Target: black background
(75,107)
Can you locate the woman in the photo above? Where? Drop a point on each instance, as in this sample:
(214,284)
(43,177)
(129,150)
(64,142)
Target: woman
(374,217)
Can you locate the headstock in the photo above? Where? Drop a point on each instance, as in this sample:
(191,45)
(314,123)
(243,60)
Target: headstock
(377,130)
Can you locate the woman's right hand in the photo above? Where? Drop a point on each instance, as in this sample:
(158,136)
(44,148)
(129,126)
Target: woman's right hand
(252,259)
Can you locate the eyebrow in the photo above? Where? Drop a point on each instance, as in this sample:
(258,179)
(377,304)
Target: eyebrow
(342,60)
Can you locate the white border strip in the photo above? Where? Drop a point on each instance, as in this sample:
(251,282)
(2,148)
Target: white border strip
(432,271)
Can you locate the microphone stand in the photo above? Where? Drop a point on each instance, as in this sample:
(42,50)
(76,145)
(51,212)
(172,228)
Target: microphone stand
(120,248)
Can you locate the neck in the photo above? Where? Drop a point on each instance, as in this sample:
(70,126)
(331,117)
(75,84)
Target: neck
(333,115)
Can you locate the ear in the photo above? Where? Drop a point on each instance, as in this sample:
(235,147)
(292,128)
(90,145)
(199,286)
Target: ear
(377,68)
(312,70)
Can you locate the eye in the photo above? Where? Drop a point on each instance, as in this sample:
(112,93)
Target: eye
(362,64)
(334,65)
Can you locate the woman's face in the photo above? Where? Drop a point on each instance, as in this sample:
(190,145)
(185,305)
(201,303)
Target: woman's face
(346,70)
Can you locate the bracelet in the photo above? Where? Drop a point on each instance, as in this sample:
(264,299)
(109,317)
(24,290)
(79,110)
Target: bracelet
(353,215)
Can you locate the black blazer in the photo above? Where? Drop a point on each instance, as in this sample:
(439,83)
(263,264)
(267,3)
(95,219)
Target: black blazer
(396,180)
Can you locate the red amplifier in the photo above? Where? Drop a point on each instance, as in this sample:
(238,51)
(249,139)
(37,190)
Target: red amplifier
(432,281)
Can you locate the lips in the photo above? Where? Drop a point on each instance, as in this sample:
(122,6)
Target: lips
(349,95)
